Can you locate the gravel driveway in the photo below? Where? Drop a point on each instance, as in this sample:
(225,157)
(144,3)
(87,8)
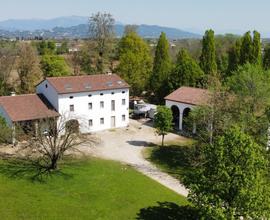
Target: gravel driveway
(126,145)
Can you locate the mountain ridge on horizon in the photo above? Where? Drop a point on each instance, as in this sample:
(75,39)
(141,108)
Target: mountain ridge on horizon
(74,24)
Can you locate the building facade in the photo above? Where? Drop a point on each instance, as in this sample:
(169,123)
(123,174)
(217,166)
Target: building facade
(95,102)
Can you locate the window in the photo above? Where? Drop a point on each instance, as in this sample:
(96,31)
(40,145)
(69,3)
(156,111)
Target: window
(123,101)
(90,105)
(101,94)
(112,93)
(101,104)
(46,85)
(71,97)
(113,105)
(123,117)
(71,108)
(123,92)
(90,123)
(90,95)
(102,121)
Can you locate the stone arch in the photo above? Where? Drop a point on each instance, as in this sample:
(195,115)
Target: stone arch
(186,124)
(176,116)
(73,126)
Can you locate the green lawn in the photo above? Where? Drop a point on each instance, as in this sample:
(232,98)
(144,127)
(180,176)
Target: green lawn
(89,189)
(176,158)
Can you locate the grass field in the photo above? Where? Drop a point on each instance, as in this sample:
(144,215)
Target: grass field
(175,158)
(88,189)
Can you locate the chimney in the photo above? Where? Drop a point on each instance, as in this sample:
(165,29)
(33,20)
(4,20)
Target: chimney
(13,94)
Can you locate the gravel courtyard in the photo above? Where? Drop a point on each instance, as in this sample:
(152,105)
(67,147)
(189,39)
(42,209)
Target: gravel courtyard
(126,145)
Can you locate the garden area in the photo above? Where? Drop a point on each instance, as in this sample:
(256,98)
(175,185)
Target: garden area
(175,158)
(85,189)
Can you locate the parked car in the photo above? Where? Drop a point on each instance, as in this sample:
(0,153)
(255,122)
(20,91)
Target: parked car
(145,109)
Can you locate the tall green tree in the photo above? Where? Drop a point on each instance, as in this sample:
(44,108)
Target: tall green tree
(266,57)
(161,68)
(163,121)
(257,48)
(54,65)
(234,57)
(246,52)
(186,72)
(231,180)
(208,55)
(135,62)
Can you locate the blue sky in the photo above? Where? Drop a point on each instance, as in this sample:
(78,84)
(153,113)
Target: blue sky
(196,15)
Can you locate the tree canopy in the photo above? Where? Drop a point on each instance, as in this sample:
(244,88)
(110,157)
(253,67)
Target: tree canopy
(54,65)
(161,68)
(186,72)
(135,62)
(163,121)
(208,55)
(28,68)
(231,181)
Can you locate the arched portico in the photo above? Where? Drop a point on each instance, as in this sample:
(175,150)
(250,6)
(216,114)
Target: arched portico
(180,112)
(186,99)
(176,116)
(185,123)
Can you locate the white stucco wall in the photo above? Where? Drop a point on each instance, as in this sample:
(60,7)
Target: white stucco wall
(181,107)
(49,92)
(83,114)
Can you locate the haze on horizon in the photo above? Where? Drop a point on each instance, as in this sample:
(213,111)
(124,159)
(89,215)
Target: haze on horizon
(221,15)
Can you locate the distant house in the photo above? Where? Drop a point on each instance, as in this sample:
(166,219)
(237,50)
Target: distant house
(182,101)
(73,50)
(96,102)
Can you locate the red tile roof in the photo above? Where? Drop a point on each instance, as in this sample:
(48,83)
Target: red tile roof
(87,83)
(189,95)
(27,107)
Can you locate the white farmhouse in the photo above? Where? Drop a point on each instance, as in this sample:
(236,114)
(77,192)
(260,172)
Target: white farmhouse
(96,102)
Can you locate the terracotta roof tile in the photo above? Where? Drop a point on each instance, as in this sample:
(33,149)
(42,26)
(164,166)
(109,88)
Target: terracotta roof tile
(189,95)
(27,107)
(87,83)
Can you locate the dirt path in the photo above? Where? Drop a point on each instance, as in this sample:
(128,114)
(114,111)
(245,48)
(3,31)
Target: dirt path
(126,145)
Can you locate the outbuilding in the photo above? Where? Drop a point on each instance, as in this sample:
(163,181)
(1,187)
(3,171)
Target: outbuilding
(182,101)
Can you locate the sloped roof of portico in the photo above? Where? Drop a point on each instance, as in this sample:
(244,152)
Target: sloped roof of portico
(190,95)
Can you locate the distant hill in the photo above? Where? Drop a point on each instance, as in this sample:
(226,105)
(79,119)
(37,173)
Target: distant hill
(76,27)
(39,24)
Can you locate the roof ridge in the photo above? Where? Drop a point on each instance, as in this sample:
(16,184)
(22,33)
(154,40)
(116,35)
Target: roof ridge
(64,77)
(20,95)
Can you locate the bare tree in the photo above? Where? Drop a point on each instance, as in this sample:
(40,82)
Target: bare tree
(53,138)
(131,28)
(28,68)
(7,62)
(101,29)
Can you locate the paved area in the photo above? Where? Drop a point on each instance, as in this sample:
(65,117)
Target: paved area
(126,145)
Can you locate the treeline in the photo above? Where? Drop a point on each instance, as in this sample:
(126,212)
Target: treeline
(152,71)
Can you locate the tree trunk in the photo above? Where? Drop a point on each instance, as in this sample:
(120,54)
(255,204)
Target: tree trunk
(162,143)
(54,163)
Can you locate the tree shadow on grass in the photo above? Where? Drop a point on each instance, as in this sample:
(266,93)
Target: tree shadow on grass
(168,211)
(178,160)
(29,169)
